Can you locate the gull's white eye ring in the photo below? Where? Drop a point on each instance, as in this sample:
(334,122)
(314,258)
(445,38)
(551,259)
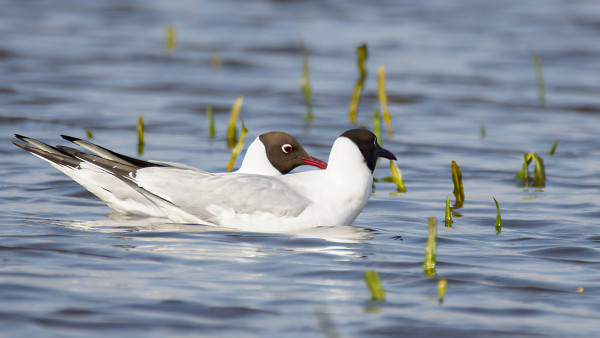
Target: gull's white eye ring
(287,148)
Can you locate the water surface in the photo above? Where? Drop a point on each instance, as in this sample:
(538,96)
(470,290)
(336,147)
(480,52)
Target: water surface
(71,268)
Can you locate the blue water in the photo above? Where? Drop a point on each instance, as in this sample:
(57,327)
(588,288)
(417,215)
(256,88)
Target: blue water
(71,268)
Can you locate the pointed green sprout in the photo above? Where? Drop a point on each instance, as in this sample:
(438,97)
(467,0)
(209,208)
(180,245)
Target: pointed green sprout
(383,100)
(233,116)
(397,176)
(171,38)
(448,217)
(459,191)
(553,150)
(305,85)
(215,61)
(89,134)
(483,132)
(498,217)
(140,133)
(539,171)
(540,77)
(377,124)
(211,121)
(360,83)
(442,286)
(374,284)
(429,263)
(238,147)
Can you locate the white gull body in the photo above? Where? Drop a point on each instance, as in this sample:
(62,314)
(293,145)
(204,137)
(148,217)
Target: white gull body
(273,154)
(330,197)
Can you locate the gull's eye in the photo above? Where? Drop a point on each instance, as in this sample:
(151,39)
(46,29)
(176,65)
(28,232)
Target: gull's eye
(286,148)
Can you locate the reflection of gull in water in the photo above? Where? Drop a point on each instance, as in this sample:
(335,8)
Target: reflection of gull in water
(194,240)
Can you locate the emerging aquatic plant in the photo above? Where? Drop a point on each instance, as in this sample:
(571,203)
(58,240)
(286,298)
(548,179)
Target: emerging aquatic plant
(483,132)
(360,83)
(232,126)
(305,85)
(140,133)
(448,217)
(397,176)
(383,101)
(540,77)
(553,150)
(442,286)
(377,124)
(215,61)
(538,178)
(459,191)
(498,218)
(239,146)
(374,284)
(429,263)
(89,134)
(171,38)
(211,121)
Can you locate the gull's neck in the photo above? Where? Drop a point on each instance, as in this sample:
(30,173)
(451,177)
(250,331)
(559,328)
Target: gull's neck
(256,161)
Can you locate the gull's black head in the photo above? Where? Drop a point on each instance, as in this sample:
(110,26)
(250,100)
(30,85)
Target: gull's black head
(285,152)
(366,142)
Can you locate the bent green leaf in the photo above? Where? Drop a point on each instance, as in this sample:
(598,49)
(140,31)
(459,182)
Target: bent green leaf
(540,77)
(233,116)
(397,176)
(375,286)
(429,263)
(238,147)
(140,133)
(377,124)
(448,217)
(360,83)
(442,286)
(383,100)
(459,191)
(211,121)
(498,223)
(553,150)
(171,38)
(305,85)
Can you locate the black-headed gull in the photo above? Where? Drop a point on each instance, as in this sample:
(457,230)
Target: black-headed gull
(334,196)
(273,153)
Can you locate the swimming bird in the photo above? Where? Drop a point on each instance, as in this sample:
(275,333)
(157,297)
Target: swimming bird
(273,153)
(334,196)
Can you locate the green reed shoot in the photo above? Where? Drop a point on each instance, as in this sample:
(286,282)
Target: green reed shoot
(483,132)
(540,77)
(383,100)
(215,61)
(377,124)
(498,217)
(397,176)
(211,121)
(360,83)
(429,263)
(448,217)
(553,150)
(140,133)
(459,191)
(442,286)
(239,146)
(171,38)
(305,85)
(89,134)
(539,172)
(375,286)
(232,126)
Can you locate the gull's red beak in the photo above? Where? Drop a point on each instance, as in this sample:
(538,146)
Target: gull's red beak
(314,162)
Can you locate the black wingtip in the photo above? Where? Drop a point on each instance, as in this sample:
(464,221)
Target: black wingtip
(20,137)
(70,138)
